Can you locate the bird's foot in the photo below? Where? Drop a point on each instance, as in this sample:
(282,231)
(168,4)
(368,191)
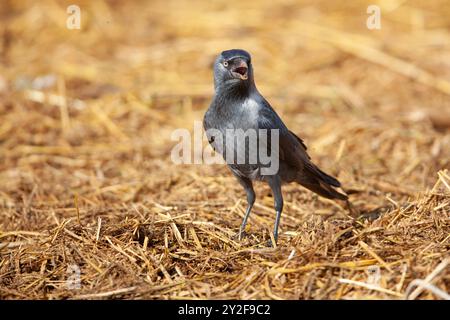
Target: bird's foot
(272,242)
(240,235)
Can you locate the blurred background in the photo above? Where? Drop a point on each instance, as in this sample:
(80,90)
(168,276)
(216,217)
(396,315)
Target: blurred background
(87,113)
(375,100)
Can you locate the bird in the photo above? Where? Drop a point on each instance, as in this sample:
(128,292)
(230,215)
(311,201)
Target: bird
(238,105)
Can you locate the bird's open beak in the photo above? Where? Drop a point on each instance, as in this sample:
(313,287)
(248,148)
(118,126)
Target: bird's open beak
(240,70)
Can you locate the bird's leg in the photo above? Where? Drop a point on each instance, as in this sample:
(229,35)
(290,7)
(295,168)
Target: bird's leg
(250,195)
(275,185)
(248,186)
(250,202)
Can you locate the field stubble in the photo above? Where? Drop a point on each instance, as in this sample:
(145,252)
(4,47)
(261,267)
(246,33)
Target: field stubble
(86,178)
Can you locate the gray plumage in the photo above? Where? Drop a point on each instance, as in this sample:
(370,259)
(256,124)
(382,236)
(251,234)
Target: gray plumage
(237,104)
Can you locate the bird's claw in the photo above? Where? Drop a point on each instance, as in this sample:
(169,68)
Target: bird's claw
(271,243)
(240,235)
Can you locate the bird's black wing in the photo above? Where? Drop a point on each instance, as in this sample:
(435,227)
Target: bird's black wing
(299,140)
(292,149)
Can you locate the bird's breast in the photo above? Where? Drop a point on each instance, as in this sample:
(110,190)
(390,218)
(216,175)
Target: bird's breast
(250,110)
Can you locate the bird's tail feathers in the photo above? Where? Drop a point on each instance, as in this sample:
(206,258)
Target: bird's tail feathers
(321,183)
(325,177)
(325,191)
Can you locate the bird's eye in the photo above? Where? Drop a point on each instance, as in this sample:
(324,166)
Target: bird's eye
(225,64)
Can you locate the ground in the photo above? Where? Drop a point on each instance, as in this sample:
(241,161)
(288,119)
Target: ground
(91,205)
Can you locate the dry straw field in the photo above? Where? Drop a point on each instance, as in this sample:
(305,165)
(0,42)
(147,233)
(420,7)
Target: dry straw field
(86,179)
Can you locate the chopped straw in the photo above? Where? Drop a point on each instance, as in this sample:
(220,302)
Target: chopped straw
(89,194)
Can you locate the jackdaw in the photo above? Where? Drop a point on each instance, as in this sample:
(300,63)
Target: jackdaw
(237,105)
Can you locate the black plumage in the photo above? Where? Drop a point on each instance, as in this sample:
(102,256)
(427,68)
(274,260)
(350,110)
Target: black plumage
(237,104)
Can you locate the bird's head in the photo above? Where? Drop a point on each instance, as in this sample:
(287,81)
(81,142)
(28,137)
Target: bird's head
(233,68)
